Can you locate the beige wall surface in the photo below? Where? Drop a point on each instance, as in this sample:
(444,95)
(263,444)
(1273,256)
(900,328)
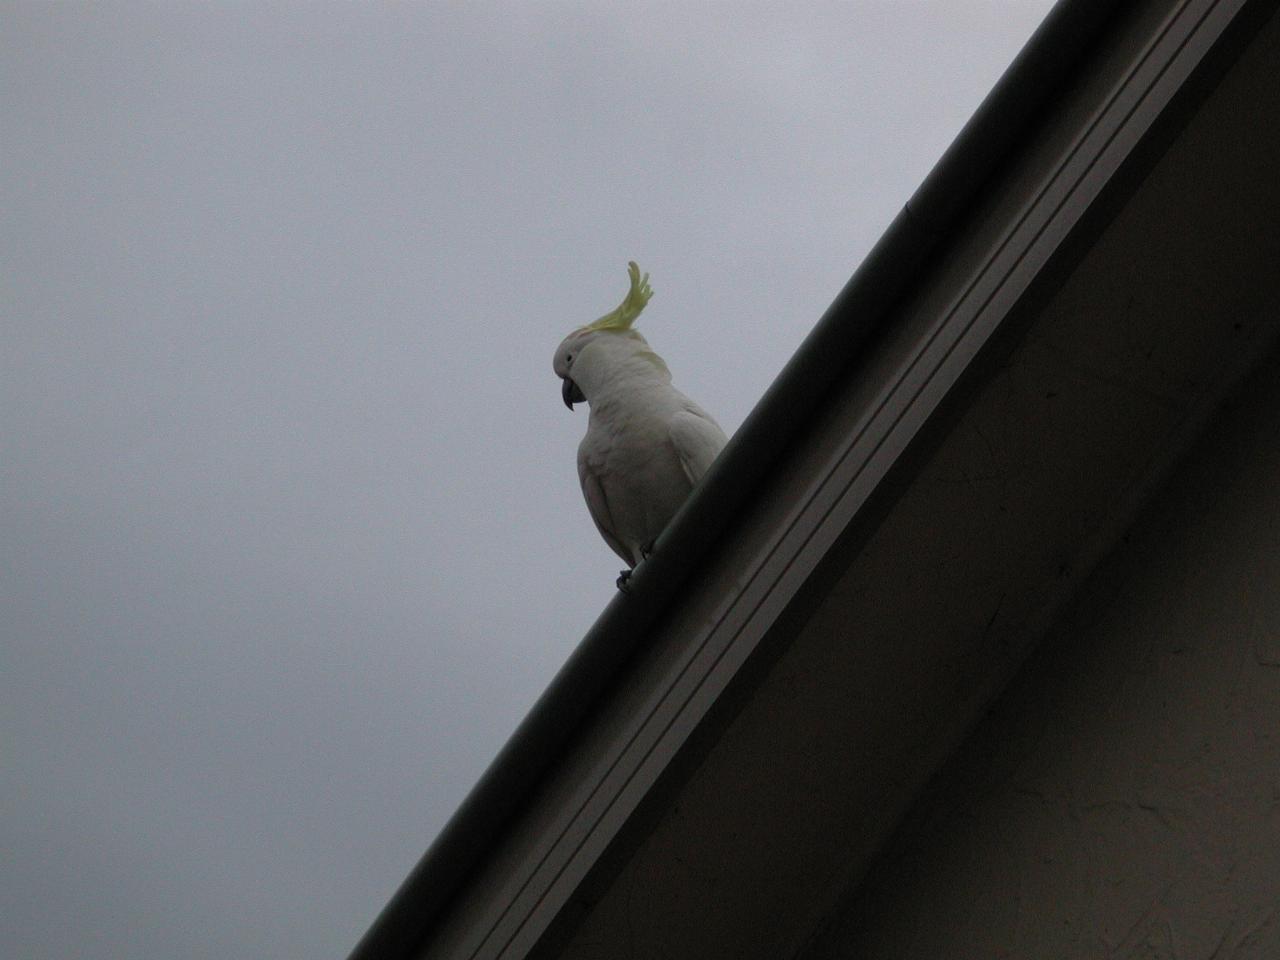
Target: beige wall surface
(1123,799)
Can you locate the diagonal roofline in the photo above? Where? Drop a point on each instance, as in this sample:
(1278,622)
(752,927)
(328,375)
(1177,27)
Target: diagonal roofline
(1010,111)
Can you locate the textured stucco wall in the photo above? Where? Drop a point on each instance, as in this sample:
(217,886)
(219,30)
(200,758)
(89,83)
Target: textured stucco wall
(1123,799)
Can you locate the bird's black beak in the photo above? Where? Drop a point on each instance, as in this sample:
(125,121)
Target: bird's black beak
(569,390)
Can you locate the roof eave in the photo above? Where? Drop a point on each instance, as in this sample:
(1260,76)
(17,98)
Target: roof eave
(938,208)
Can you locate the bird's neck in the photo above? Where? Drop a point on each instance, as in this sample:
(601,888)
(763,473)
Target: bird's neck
(630,392)
(626,371)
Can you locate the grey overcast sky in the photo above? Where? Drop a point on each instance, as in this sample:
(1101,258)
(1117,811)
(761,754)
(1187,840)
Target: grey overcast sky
(291,528)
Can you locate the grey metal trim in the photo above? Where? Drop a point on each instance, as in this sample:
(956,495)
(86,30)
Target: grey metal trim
(603,807)
(937,207)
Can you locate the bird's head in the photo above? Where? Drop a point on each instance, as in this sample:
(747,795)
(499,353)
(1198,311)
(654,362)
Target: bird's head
(581,357)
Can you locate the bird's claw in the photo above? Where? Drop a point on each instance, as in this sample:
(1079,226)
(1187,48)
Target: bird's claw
(624,581)
(646,549)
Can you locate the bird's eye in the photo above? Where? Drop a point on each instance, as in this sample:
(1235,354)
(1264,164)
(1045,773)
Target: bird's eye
(568,358)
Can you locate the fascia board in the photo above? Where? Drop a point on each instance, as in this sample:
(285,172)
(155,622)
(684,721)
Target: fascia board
(516,914)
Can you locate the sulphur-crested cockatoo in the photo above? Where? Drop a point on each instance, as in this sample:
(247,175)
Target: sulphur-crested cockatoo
(647,444)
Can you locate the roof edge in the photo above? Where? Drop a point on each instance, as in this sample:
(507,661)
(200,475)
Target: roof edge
(1038,73)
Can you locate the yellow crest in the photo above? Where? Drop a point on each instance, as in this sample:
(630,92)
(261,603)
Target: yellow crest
(632,304)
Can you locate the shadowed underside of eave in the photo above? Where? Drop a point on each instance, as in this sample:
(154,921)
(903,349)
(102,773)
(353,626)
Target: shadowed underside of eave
(723,784)
(924,615)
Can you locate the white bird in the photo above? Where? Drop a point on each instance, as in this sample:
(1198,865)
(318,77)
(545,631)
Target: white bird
(647,444)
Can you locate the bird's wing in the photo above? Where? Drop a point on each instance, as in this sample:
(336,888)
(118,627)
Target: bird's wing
(697,439)
(598,505)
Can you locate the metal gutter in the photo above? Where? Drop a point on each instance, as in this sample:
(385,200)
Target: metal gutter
(1004,119)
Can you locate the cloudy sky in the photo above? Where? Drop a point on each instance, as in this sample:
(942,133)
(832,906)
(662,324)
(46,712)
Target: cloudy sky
(290,528)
